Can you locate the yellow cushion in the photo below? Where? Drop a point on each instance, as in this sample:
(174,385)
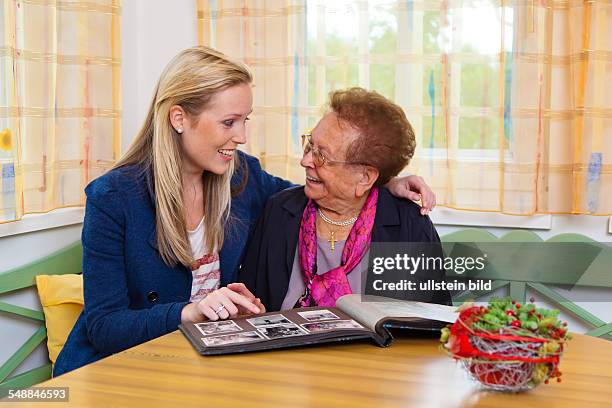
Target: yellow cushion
(61,297)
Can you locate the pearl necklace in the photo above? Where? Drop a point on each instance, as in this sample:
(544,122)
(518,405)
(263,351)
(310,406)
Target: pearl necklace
(345,223)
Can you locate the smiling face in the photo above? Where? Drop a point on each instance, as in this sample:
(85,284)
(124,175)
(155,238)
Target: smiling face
(333,186)
(209,141)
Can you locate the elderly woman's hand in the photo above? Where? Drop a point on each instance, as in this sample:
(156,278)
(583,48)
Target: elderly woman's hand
(243,290)
(224,303)
(413,188)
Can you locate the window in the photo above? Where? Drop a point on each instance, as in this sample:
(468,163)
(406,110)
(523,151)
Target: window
(59,102)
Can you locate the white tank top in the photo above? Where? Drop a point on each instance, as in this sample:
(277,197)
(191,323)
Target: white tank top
(206,270)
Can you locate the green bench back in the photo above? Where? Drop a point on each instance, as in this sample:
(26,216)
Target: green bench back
(598,274)
(67,260)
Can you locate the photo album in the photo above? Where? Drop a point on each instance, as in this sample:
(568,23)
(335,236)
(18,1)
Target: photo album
(353,318)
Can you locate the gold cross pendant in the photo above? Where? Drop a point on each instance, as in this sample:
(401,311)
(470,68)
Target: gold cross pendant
(332,240)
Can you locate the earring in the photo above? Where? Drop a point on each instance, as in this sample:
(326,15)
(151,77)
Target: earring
(180,130)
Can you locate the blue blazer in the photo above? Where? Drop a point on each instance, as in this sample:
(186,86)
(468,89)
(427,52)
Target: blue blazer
(131,295)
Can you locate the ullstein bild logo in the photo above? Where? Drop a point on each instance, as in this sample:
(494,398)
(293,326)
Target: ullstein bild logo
(430,285)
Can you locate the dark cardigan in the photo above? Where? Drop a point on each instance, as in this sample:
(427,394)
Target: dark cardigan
(267,266)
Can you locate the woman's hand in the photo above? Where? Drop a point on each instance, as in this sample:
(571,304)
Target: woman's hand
(413,188)
(224,303)
(244,291)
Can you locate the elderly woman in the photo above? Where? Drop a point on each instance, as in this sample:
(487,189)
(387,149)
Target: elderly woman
(310,246)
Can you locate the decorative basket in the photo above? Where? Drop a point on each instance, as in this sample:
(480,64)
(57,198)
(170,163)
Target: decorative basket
(505,348)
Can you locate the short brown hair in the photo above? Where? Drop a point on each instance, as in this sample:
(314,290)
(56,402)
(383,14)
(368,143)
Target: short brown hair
(386,140)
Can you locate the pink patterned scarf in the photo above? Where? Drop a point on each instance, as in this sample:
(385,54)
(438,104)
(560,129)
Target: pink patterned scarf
(325,289)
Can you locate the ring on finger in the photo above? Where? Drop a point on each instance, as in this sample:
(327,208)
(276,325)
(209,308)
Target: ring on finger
(220,309)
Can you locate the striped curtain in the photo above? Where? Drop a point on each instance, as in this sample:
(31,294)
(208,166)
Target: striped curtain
(270,36)
(508,98)
(59,101)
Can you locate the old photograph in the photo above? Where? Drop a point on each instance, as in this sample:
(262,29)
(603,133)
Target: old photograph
(282,330)
(226,326)
(318,315)
(331,325)
(233,338)
(268,320)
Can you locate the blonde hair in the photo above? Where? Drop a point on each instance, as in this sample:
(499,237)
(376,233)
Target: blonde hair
(190,80)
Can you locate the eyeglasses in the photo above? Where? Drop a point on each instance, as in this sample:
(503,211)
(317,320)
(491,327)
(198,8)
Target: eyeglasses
(317,157)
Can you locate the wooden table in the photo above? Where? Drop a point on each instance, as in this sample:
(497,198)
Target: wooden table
(412,372)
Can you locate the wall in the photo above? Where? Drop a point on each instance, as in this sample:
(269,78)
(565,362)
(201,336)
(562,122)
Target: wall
(152,32)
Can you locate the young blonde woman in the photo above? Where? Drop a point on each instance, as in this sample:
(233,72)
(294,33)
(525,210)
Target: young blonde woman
(166,229)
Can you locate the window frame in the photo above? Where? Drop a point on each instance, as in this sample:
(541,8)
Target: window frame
(61,217)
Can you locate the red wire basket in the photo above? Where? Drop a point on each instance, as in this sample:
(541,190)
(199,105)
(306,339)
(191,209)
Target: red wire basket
(511,359)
